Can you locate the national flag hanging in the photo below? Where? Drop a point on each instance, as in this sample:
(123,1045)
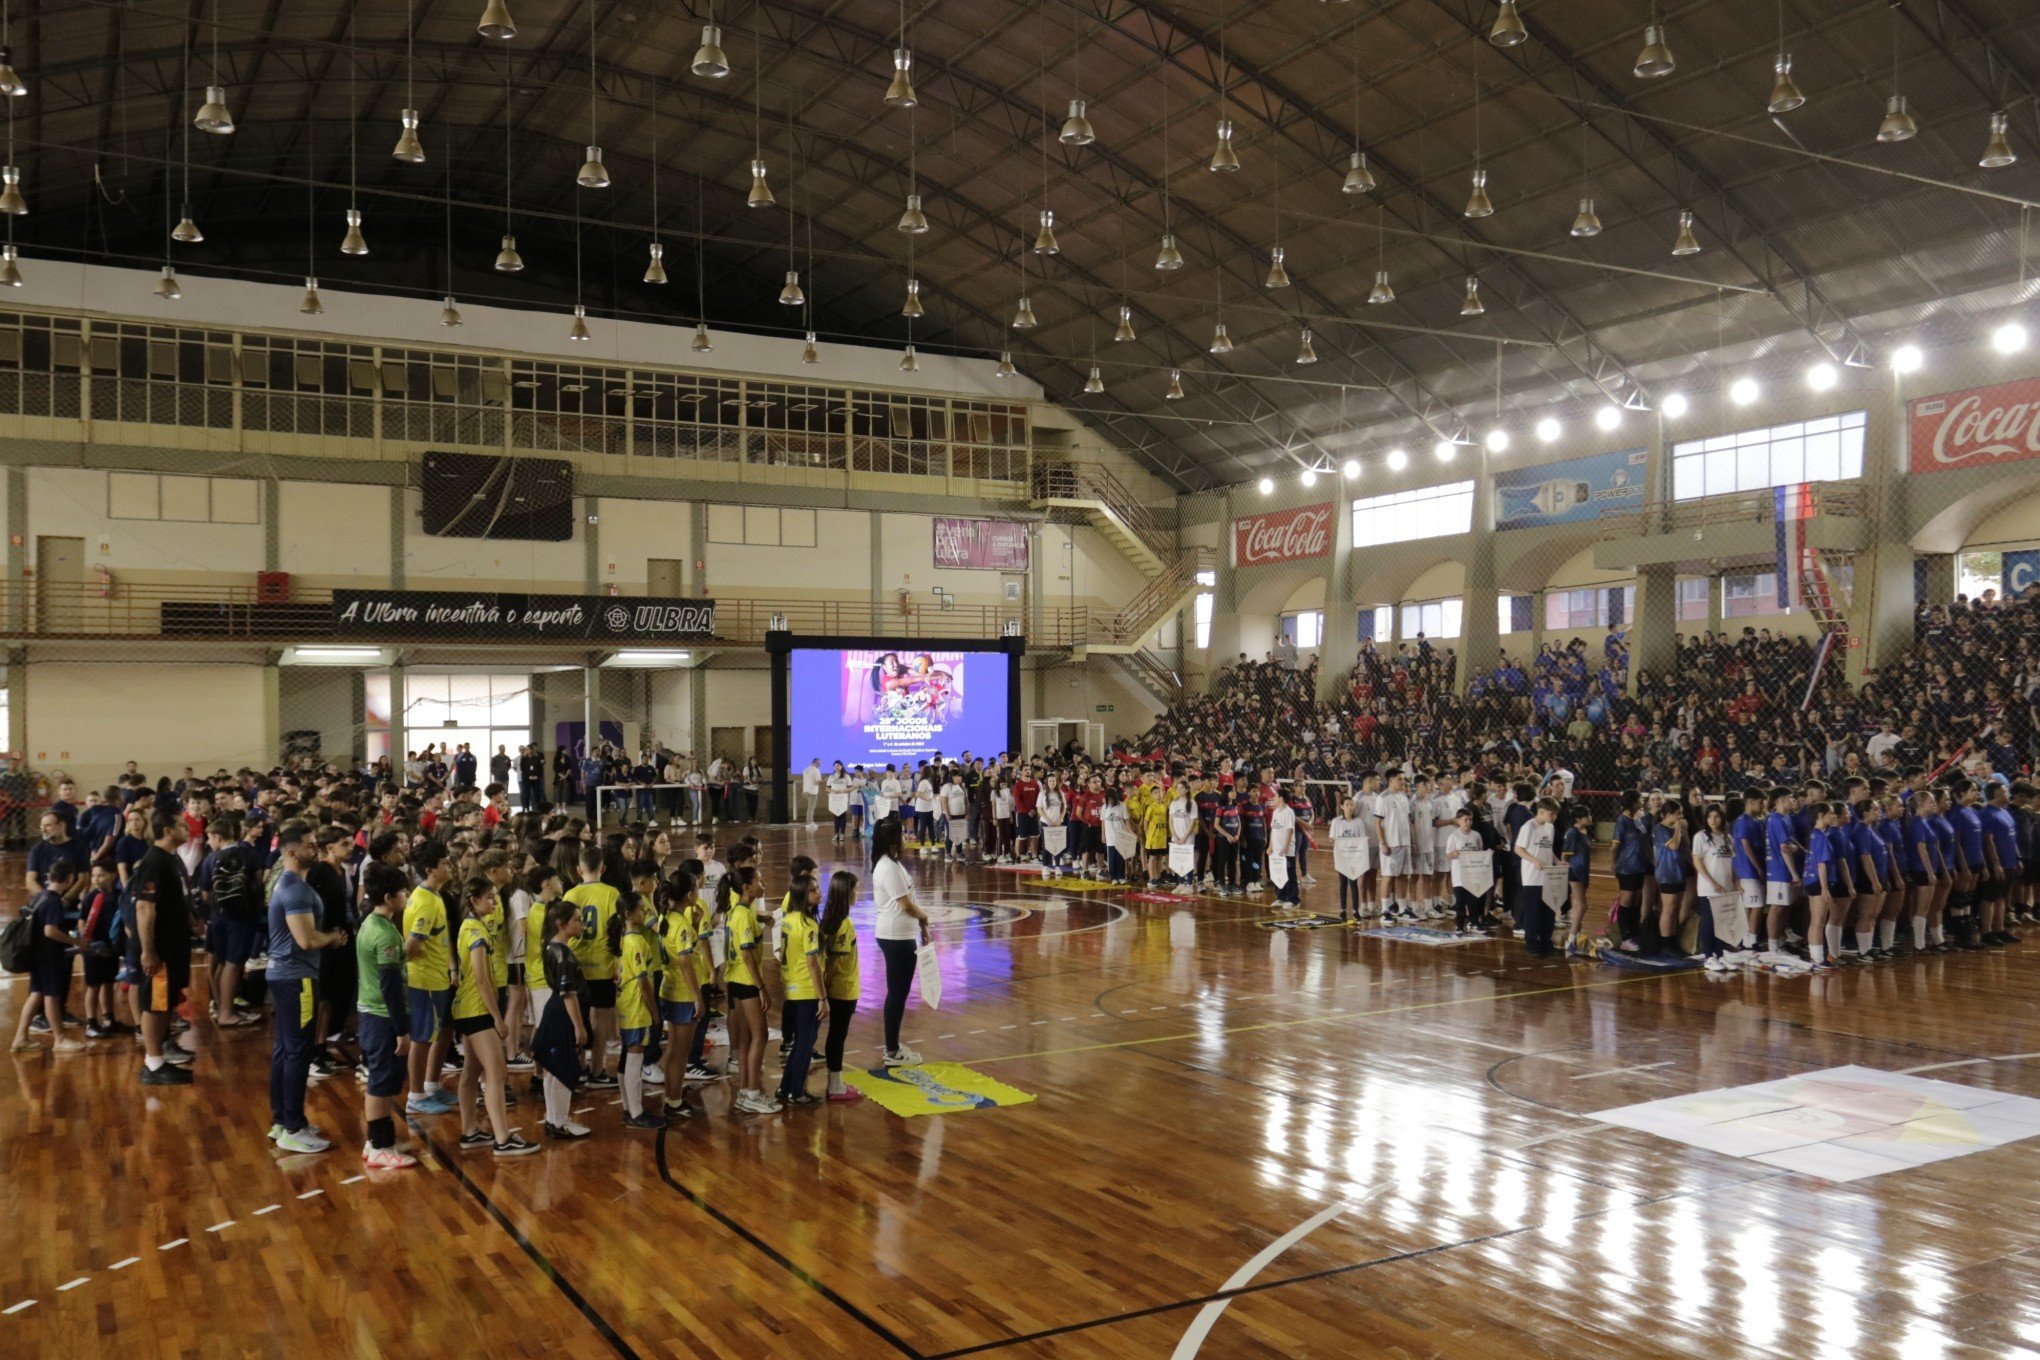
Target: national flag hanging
(1820,660)
(1792,507)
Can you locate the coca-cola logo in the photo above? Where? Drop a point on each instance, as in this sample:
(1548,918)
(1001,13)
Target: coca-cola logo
(1289,536)
(1991,424)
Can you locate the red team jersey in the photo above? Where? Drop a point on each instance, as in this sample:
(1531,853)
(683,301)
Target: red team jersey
(1026,796)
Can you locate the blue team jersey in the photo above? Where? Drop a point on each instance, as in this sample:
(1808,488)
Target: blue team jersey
(1819,852)
(1864,841)
(1893,835)
(1750,829)
(1922,850)
(1666,867)
(1842,874)
(1779,836)
(2004,830)
(1968,824)
(1633,844)
(1579,851)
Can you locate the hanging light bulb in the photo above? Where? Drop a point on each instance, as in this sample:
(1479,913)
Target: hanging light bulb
(2009,338)
(701,344)
(913,221)
(1785,95)
(1124,331)
(1744,391)
(186,231)
(1588,223)
(1023,314)
(496,22)
(1478,204)
(1656,57)
(1306,353)
(1223,159)
(1498,441)
(11,201)
(1044,240)
(708,58)
(900,94)
(808,353)
(1266,486)
(1095,383)
(655,272)
(1674,405)
(1687,243)
(508,261)
(409,149)
(1548,430)
(910,362)
(1472,306)
(579,330)
(1308,477)
(10,267)
(1445,450)
(1822,377)
(1607,417)
(1169,257)
(1221,343)
(1175,392)
(311,306)
(1076,129)
(354,243)
(761,192)
(790,294)
(1383,290)
(449,315)
(212,114)
(1278,275)
(166,285)
(912,306)
(1397,460)
(10,81)
(1907,359)
(1508,30)
(1350,469)
(1898,124)
(1005,368)
(595,175)
(1359,179)
(1998,153)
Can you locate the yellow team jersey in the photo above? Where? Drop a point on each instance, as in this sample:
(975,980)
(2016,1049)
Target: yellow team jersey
(840,968)
(632,1010)
(1156,822)
(425,918)
(467,994)
(534,944)
(704,957)
(678,934)
(597,902)
(499,944)
(742,967)
(800,955)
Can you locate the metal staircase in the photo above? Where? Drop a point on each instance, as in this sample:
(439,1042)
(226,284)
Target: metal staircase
(1827,599)
(1152,674)
(1105,503)
(1170,592)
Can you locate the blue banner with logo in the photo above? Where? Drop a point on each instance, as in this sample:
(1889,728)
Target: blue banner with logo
(2022,569)
(1570,491)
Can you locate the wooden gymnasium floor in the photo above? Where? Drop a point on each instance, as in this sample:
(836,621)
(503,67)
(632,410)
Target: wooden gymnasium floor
(1246,1144)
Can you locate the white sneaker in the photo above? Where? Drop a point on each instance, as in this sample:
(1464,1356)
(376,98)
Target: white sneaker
(306,1140)
(386,1159)
(1309,881)
(902,1057)
(655,1075)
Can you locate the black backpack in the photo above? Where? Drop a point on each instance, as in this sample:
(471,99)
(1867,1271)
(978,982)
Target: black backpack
(235,890)
(17,942)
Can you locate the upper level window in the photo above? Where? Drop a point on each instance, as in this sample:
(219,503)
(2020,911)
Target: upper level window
(1829,449)
(1427,512)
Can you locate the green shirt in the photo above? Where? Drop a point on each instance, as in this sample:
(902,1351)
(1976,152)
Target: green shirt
(378,945)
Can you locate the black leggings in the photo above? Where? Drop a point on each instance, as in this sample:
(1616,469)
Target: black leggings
(899,975)
(839,1032)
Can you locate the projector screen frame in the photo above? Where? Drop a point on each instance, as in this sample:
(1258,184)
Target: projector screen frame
(781,646)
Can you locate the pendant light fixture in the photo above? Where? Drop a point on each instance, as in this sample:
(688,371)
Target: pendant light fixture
(655,270)
(1278,275)
(1586,222)
(1023,312)
(1383,291)
(708,58)
(1898,124)
(1686,243)
(761,192)
(353,242)
(1094,384)
(594,174)
(1997,152)
(311,305)
(1221,343)
(1785,94)
(1478,204)
(1123,332)
(1044,240)
(409,149)
(1005,368)
(496,22)
(1655,60)
(1076,128)
(1508,28)
(186,231)
(1472,306)
(212,114)
(701,344)
(1224,160)
(166,285)
(900,93)
(1306,353)
(790,294)
(1170,256)
(1359,178)
(10,266)
(913,221)
(11,85)
(449,314)
(1175,392)
(912,306)
(578,332)
(508,261)
(910,362)
(808,353)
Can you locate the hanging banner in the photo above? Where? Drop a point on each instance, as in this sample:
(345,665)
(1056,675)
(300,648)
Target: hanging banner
(1283,536)
(2022,569)
(1977,427)
(980,544)
(487,616)
(1569,491)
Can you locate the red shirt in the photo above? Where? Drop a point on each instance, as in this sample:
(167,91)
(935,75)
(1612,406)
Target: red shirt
(1026,794)
(1084,807)
(491,814)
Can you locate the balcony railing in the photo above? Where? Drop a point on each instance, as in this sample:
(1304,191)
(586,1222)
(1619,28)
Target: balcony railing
(1841,501)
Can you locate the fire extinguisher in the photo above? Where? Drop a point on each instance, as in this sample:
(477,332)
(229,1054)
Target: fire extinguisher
(105,579)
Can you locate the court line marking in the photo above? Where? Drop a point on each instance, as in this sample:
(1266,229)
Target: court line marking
(11,1310)
(222,1227)
(352,1179)
(73,1284)
(1478,1043)
(267,1209)
(174,1242)
(123,1265)
(311,1194)
(1618,1071)
(1967,1062)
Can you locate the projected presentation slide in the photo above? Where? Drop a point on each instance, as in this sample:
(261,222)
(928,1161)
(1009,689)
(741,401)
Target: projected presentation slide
(895,706)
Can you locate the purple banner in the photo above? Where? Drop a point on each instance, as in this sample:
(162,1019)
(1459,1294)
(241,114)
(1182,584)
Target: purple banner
(980,544)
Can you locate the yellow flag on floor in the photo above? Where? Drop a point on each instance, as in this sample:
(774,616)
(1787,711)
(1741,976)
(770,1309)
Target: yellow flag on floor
(1079,885)
(934,1088)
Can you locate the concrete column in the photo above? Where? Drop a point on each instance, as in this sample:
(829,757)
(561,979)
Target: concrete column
(1536,643)
(697,565)
(1714,619)
(697,710)
(875,530)
(1940,581)
(591,545)
(399,734)
(399,521)
(1479,627)
(1339,649)
(17,561)
(590,735)
(272,524)
(17,700)
(1225,601)
(1654,630)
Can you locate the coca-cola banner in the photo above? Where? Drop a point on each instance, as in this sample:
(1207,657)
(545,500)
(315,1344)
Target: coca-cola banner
(1283,536)
(1981,427)
(980,544)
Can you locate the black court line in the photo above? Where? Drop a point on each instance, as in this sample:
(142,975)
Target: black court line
(871,1324)
(538,1258)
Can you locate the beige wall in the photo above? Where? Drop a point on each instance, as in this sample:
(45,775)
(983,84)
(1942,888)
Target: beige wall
(73,502)
(334,534)
(90,718)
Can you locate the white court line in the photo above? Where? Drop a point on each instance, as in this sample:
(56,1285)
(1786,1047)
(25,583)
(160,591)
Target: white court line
(15,1308)
(222,1227)
(1207,1316)
(123,1265)
(1478,1043)
(1552,1137)
(352,1179)
(68,1287)
(174,1242)
(309,1194)
(267,1209)
(1618,1071)
(1037,1022)
(1967,1062)
(1158,1008)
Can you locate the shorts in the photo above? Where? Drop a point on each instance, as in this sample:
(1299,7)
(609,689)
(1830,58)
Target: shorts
(516,975)
(1421,862)
(1395,861)
(465,1025)
(101,971)
(677,1012)
(431,1009)
(1026,825)
(230,939)
(635,1038)
(379,1055)
(600,994)
(741,991)
(1671,885)
(1989,889)
(51,973)
(1094,839)
(1752,892)
(1629,882)
(163,990)
(1917,878)
(1780,892)
(1578,875)
(339,974)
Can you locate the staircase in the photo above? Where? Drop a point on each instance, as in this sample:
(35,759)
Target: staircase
(1106,504)
(1167,594)
(1152,674)
(1826,598)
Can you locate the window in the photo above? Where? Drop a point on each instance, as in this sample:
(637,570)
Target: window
(1202,607)
(1746,595)
(189,500)
(1428,512)
(1976,572)
(1693,599)
(1512,614)
(485,711)
(1594,607)
(1305,628)
(763,526)
(1377,622)
(1433,618)
(1829,449)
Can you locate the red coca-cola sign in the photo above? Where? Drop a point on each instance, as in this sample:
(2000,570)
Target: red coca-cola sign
(1981,427)
(1283,536)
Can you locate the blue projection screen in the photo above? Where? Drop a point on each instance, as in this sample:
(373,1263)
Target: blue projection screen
(894,705)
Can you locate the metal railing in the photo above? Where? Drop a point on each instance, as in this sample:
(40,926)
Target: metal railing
(1737,507)
(1148,610)
(1096,482)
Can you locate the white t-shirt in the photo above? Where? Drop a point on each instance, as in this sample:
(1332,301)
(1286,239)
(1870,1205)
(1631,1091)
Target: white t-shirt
(1182,819)
(520,907)
(889,883)
(1714,856)
(1282,830)
(924,796)
(1002,804)
(1423,823)
(1564,777)
(811,779)
(1394,811)
(1052,807)
(711,878)
(1457,840)
(1535,836)
(955,799)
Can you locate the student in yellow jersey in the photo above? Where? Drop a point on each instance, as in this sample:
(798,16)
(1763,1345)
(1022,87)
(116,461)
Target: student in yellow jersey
(428,980)
(702,914)
(843,982)
(795,867)
(597,902)
(680,1006)
(478,1018)
(644,885)
(636,1004)
(542,886)
(801,979)
(744,980)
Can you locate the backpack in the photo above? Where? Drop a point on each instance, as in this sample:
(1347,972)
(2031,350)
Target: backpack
(17,942)
(233,887)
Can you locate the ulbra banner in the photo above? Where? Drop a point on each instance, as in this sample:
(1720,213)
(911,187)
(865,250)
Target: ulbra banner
(1283,536)
(1981,427)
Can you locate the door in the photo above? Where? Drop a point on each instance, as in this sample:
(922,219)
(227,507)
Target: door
(59,584)
(727,742)
(665,578)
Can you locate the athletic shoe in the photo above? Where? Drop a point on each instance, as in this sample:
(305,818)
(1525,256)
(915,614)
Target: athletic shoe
(602,1081)
(800,1101)
(655,1075)
(1309,881)
(95,1030)
(68,1046)
(1630,947)
(646,1120)
(703,1072)
(386,1159)
(39,1025)
(845,1096)
(1825,966)
(275,1132)
(901,1057)
(680,1109)
(515,1147)
(523,1062)
(303,1141)
(569,1130)
(438,1102)
(750,1104)
(1717,964)
(165,1075)
(177,1056)
(475,1138)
